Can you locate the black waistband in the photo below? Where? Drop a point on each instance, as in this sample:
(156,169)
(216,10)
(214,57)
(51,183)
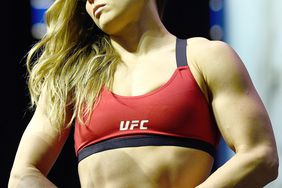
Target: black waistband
(145,140)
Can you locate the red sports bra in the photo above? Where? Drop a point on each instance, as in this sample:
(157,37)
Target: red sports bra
(175,114)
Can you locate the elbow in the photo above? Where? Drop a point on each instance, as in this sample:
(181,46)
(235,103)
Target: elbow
(272,165)
(13,179)
(276,168)
(28,177)
(268,163)
(22,176)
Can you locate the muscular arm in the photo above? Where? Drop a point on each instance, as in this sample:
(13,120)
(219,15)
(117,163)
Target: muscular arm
(39,148)
(242,120)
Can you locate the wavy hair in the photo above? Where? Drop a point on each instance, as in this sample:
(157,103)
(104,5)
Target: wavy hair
(71,63)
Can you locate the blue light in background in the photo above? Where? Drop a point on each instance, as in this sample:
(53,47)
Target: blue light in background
(217,19)
(38,8)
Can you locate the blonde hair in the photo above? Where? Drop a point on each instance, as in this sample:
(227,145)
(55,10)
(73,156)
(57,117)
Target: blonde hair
(72,62)
(75,60)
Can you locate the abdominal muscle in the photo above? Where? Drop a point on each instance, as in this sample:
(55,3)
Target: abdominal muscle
(145,167)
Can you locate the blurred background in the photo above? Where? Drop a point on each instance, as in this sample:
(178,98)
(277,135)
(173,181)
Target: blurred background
(253,28)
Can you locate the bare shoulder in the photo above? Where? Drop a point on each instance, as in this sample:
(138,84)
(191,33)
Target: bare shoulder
(219,64)
(205,50)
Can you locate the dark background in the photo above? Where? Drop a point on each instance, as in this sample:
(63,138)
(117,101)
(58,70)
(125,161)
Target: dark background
(183,18)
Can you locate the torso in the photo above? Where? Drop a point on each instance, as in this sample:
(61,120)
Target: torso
(147,166)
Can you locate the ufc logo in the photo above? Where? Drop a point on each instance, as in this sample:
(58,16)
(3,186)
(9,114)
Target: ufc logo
(134,124)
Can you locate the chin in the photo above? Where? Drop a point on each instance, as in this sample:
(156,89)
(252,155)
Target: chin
(108,28)
(110,25)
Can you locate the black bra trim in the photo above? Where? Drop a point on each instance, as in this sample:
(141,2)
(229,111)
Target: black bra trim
(145,140)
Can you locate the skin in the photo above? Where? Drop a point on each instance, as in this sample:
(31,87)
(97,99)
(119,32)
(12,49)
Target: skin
(221,76)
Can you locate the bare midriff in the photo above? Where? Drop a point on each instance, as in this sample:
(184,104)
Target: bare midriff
(145,167)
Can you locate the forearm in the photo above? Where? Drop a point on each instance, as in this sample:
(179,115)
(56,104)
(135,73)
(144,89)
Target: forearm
(248,169)
(32,178)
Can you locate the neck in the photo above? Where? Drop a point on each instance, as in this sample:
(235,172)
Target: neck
(143,36)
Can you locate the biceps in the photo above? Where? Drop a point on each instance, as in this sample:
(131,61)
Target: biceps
(242,120)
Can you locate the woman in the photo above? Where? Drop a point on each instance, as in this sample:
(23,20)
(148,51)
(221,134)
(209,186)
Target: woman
(147,109)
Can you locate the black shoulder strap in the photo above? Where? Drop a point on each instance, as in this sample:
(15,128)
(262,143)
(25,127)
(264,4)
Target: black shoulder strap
(181,56)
